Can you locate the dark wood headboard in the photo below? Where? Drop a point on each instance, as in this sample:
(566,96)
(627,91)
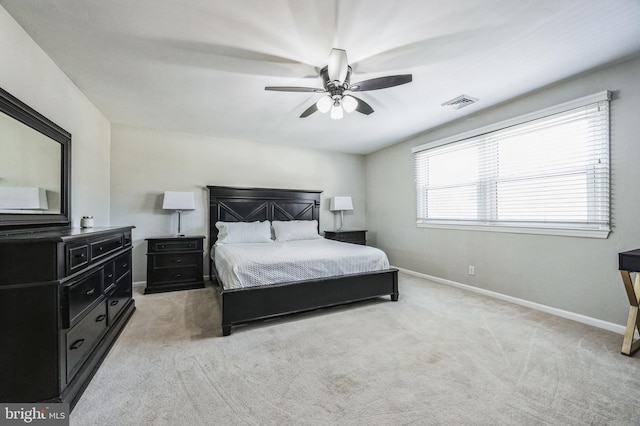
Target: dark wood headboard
(230,204)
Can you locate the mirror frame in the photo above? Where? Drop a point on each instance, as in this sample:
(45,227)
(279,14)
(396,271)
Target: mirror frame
(22,112)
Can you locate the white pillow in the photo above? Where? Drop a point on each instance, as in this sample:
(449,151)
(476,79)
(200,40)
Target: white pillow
(295,230)
(243,232)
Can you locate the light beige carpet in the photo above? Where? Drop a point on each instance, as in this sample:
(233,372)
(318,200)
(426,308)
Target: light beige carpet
(439,356)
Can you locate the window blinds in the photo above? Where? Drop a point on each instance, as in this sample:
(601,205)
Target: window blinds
(550,172)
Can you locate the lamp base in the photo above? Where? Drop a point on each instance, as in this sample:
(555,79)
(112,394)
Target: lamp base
(179,234)
(341,220)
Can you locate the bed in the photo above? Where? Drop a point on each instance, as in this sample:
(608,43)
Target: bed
(241,305)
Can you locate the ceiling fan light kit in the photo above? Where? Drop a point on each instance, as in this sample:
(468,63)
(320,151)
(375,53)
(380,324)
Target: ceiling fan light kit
(337,88)
(324,104)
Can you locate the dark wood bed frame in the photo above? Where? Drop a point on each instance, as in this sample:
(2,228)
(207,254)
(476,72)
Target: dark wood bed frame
(238,306)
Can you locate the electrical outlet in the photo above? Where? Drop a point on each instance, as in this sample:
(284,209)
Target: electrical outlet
(472,270)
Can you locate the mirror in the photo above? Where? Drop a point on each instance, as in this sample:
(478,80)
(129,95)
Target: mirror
(34,168)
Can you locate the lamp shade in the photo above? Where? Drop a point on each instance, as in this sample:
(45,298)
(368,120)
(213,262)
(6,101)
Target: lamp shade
(341,203)
(174,200)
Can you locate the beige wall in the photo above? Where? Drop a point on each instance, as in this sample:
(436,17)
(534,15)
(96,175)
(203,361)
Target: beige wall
(31,76)
(578,275)
(145,163)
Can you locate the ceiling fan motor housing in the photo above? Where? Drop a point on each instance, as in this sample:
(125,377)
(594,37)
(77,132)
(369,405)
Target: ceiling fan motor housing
(330,86)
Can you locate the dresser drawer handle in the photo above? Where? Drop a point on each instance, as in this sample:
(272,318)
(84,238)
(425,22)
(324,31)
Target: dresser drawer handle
(79,256)
(124,265)
(161,246)
(90,292)
(191,245)
(177,275)
(114,302)
(177,260)
(76,344)
(100,318)
(110,276)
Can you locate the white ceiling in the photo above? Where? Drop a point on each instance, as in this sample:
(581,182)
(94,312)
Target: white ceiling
(200,66)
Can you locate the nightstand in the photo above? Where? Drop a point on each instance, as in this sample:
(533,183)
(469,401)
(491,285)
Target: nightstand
(354,236)
(174,263)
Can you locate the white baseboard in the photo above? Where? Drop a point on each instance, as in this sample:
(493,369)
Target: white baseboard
(605,325)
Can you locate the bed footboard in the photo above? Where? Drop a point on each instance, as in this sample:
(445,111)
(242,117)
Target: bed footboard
(255,303)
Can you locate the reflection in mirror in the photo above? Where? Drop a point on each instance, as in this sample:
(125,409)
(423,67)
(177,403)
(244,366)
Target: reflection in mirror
(29,169)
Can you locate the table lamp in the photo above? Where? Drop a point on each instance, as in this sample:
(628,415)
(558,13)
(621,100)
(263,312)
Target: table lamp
(341,203)
(179,201)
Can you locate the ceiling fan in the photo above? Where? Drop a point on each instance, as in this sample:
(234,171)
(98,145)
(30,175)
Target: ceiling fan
(337,88)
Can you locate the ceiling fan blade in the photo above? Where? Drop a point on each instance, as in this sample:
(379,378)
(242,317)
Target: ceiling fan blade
(381,82)
(313,108)
(293,89)
(362,107)
(338,65)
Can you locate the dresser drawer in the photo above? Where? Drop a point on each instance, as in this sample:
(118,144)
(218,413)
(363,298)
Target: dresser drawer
(122,265)
(82,293)
(175,244)
(109,276)
(77,258)
(175,260)
(81,339)
(119,298)
(104,247)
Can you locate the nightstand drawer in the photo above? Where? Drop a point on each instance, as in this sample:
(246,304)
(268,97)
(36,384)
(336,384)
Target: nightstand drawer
(175,275)
(175,260)
(350,238)
(353,237)
(176,244)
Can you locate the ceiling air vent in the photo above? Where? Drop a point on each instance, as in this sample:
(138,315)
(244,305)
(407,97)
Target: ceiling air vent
(460,102)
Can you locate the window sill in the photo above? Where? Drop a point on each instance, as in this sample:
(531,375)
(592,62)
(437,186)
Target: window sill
(564,232)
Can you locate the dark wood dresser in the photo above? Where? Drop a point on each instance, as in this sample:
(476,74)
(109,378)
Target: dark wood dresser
(174,263)
(65,296)
(354,236)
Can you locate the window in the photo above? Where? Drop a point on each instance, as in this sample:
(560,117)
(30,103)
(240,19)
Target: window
(546,172)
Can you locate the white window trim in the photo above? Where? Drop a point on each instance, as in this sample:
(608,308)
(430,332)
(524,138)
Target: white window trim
(538,230)
(565,232)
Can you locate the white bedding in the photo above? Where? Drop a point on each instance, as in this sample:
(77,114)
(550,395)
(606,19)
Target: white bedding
(253,264)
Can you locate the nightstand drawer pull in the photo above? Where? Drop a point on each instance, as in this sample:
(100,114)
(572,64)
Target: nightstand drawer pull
(100,318)
(76,344)
(177,260)
(177,275)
